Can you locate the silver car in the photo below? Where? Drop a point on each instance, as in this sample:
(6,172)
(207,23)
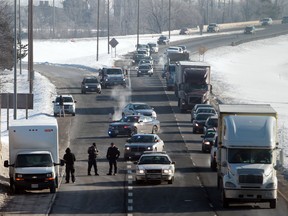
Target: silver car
(138,143)
(138,108)
(155,166)
(133,124)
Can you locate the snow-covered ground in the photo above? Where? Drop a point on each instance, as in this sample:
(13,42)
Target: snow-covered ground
(255,72)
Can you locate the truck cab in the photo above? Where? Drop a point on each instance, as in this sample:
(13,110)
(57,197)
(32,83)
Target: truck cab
(246,154)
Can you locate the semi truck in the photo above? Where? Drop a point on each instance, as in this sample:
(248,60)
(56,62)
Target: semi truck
(169,67)
(33,155)
(246,153)
(192,84)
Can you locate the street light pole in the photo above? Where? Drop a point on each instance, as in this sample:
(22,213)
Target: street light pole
(138,11)
(30,46)
(98,9)
(108,23)
(169,17)
(15,63)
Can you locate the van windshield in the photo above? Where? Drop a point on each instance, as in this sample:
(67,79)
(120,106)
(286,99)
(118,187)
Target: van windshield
(34,160)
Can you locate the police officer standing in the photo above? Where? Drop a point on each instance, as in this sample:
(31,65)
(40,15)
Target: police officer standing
(92,155)
(69,159)
(113,154)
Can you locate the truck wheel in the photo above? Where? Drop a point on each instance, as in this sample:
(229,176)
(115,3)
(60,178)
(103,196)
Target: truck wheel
(225,203)
(171,181)
(55,114)
(53,188)
(73,114)
(213,166)
(273,204)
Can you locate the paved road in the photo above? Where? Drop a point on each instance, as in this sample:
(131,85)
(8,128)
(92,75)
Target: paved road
(194,189)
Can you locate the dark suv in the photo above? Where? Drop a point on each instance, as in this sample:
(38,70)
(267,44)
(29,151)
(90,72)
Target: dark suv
(213,27)
(112,76)
(90,84)
(163,40)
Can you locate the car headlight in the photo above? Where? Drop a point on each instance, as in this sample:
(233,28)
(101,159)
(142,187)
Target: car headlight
(149,148)
(86,86)
(154,115)
(106,80)
(124,79)
(270,185)
(141,171)
(206,143)
(167,171)
(127,148)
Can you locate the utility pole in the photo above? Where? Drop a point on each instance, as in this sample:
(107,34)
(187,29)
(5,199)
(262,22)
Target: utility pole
(108,24)
(138,11)
(169,17)
(53,19)
(30,46)
(15,62)
(19,37)
(98,10)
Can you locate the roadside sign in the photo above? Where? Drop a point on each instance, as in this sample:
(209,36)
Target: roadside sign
(113,42)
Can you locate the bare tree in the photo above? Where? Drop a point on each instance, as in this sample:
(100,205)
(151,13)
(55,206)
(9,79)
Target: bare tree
(6,36)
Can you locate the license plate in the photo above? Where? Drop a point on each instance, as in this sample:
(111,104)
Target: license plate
(34,186)
(137,153)
(116,131)
(92,89)
(154,176)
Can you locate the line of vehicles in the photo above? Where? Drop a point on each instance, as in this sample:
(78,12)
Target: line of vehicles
(241,138)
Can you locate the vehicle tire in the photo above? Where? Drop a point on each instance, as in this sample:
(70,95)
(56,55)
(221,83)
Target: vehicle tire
(213,166)
(15,190)
(138,181)
(178,103)
(112,135)
(123,114)
(53,188)
(150,75)
(138,74)
(225,203)
(55,114)
(73,114)
(203,150)
(171,181)
(273,204)
(154,129)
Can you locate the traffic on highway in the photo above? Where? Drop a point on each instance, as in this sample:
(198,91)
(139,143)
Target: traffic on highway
(172,179)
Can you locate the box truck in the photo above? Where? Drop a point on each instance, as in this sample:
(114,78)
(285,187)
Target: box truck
(33,155)
(192,84)
(246,154)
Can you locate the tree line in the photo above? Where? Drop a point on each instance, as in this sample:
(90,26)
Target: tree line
(79,18)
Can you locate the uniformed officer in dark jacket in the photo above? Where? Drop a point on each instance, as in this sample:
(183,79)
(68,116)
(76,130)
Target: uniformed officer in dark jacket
(113,154)
(92,155)
(69,159)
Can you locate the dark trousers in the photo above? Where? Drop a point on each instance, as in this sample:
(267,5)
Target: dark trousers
(112,163)
(70,170)
(92,162)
